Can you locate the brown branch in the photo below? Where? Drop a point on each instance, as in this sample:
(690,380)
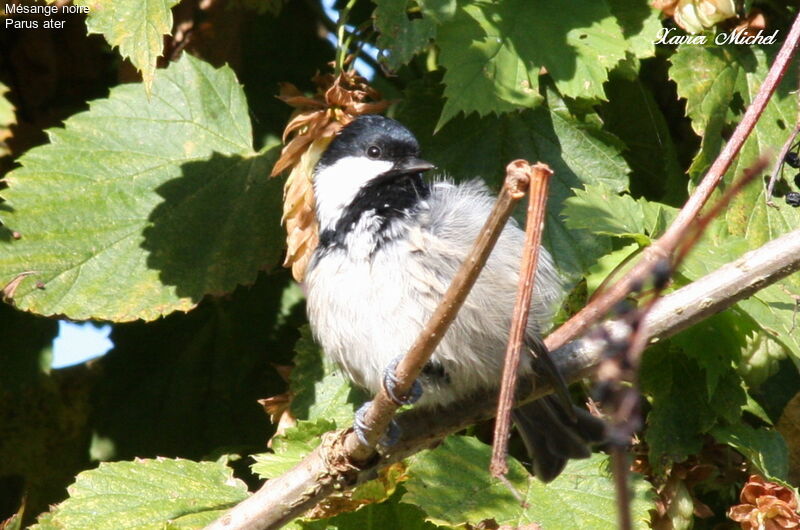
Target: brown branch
(624,366)
(665,246)
(725,286)
(282,499)
(537,202)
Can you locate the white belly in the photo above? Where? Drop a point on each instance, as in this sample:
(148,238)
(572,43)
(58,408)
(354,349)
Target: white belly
(365,313)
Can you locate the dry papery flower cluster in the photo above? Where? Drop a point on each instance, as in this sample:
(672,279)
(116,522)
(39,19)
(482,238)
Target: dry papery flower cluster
(339,99)
(765,506)
(695,16)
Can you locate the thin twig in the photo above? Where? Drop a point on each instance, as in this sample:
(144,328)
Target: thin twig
(664,247)
(341,51)
(283,498)
(537,205)
(619,464)
(330,26)
(624,366)
(704,220)
(781,158)
(378,416)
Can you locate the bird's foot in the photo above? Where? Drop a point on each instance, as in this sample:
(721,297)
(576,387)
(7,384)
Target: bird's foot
(359,426)
(390,384)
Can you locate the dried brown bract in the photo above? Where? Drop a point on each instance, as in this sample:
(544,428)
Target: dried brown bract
(339,99)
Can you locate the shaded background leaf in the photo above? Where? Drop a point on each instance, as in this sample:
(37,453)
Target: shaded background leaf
(577,151)
(188,385)
(137,27)
(492,53)
(140,208)
(320,389)
(400,38)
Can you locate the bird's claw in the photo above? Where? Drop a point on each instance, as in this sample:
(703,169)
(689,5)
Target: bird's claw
(390,383)
(393,433)
(359,427)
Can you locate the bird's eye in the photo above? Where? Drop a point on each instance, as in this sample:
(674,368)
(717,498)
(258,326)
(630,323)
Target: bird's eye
(373,151)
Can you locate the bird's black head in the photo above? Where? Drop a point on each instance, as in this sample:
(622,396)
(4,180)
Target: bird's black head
(377,138)
(372,165)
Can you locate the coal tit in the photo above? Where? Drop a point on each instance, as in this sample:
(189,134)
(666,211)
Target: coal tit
(389,245)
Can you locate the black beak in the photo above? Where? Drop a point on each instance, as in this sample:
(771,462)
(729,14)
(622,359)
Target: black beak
(411,165)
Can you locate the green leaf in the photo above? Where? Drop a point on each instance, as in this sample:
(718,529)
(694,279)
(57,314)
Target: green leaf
(400,38)
(640,23)
(319,388)
(290,448)
(775,309)
(602,211)
(578,152)
(719,83)
(140,207)
(149,494)
(7,119)
(707,79)
(754,407)
(761,359)
(716,344)
(484,72)
(45,522)
(650,151)
(682,411)
(452,485)
(136,26)
(15,521)
(440,11)
(715,249)
(765,449)
(597,273)
(493,51)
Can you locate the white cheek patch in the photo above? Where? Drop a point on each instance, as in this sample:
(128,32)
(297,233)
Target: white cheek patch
(337,185)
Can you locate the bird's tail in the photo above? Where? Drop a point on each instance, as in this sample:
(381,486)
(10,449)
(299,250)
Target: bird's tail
(552,436)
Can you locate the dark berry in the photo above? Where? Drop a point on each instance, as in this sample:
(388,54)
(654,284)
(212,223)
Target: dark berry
(623,307)
(793,199)
(662,270)
(793,160)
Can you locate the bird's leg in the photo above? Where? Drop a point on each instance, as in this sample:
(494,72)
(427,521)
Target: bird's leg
(389,385)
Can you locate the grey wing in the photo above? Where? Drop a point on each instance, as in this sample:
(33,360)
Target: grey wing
(458,218)
(458,213)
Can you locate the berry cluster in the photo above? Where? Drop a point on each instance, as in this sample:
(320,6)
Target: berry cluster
(792,159)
